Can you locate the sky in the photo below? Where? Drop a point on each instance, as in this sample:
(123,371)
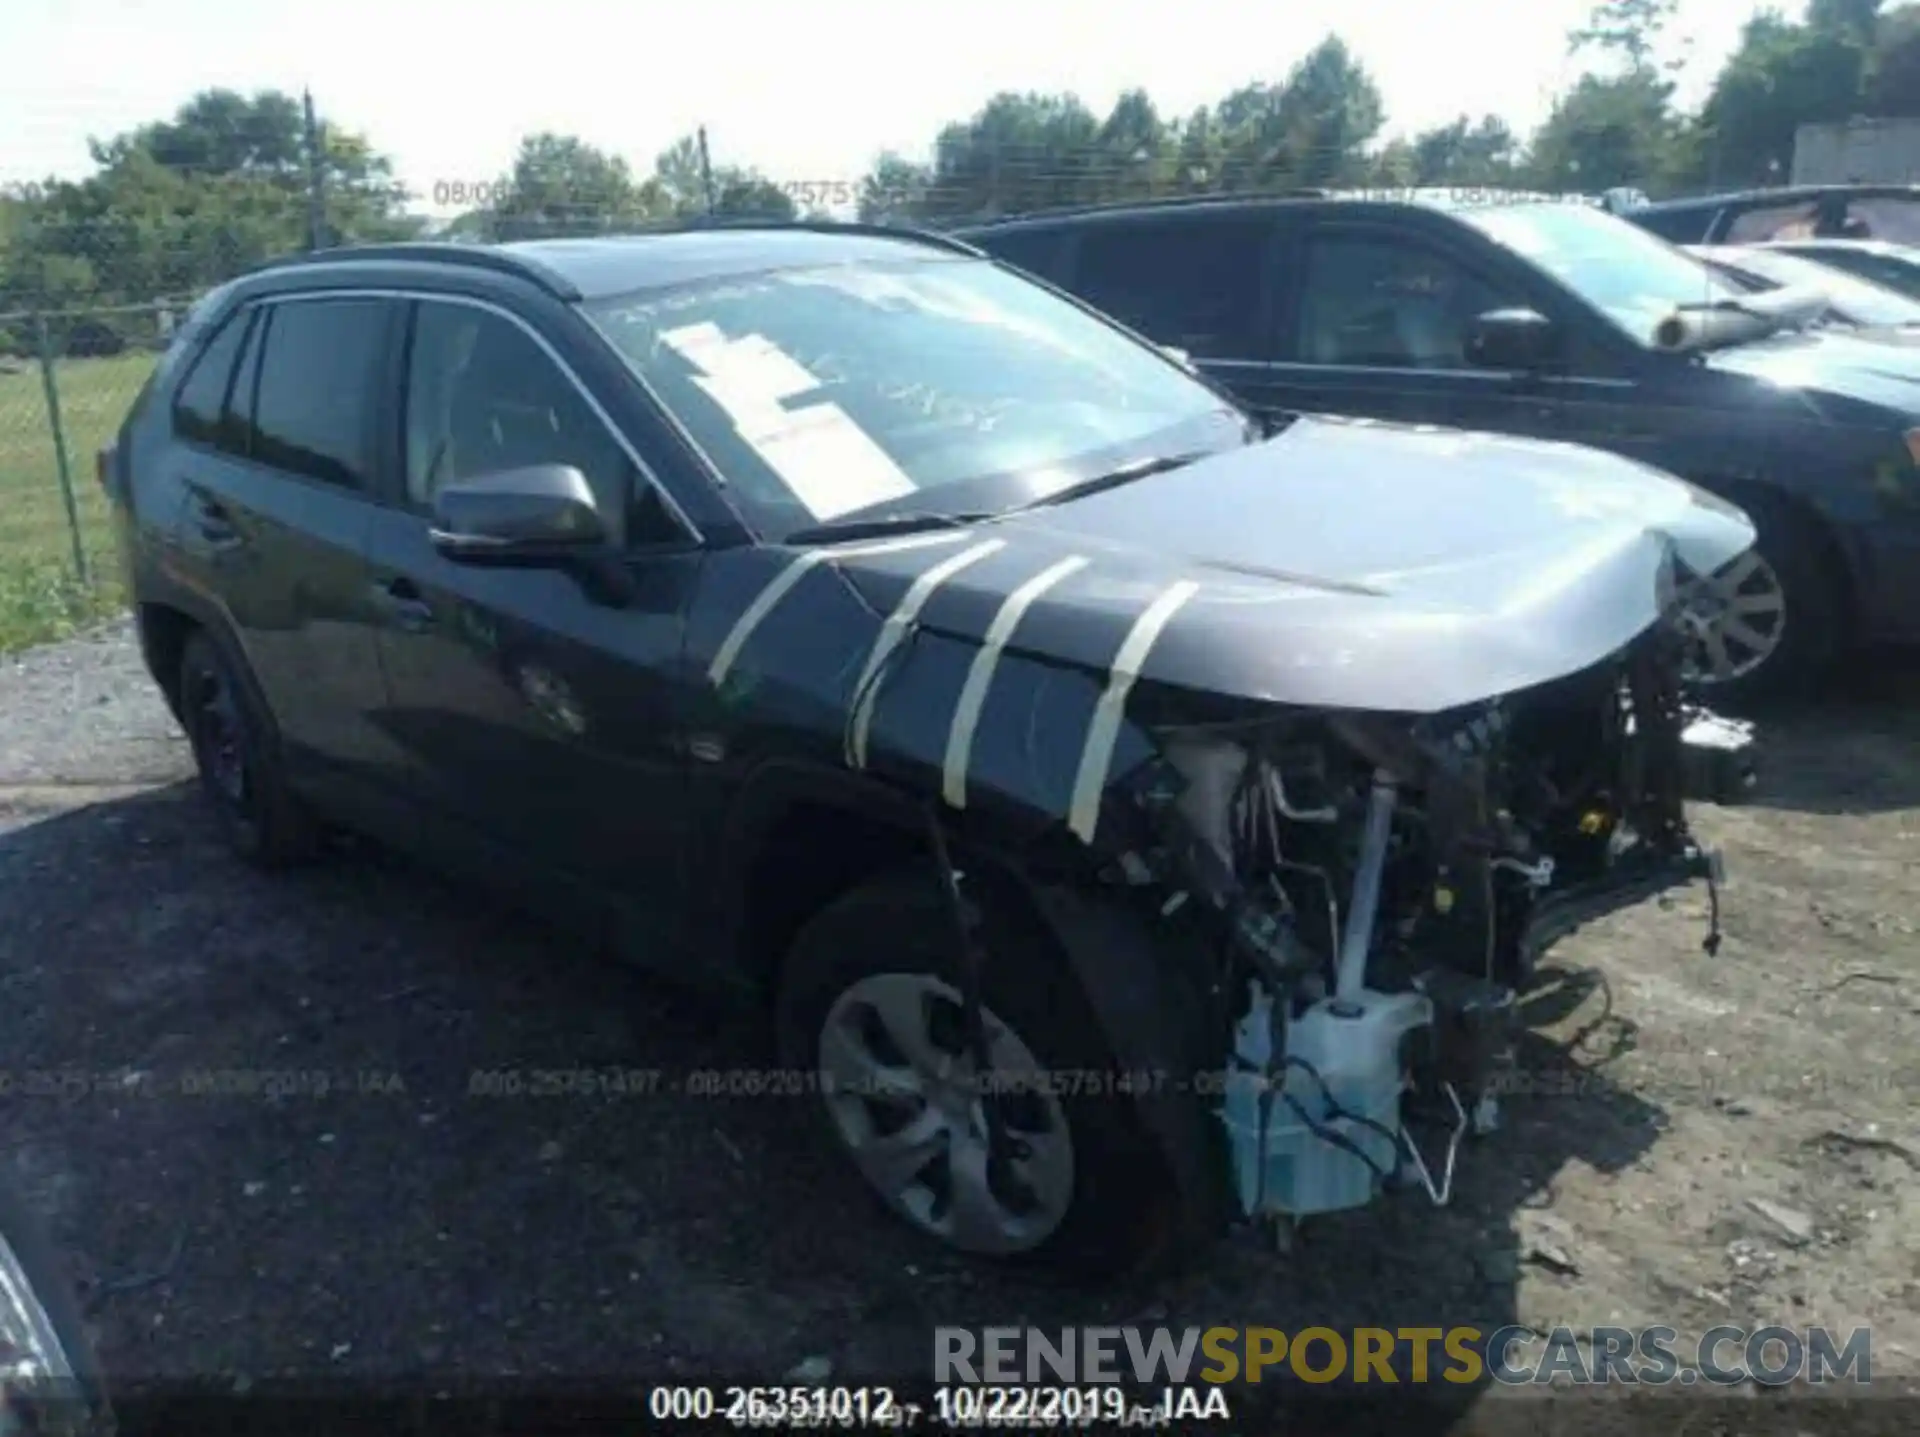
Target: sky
(809,93)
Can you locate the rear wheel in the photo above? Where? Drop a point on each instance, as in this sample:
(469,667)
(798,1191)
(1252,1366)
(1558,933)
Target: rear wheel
(1769,623)
(871,1006)
(238,755)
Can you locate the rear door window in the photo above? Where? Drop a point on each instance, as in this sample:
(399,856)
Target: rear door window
(313,407)
(1196,283)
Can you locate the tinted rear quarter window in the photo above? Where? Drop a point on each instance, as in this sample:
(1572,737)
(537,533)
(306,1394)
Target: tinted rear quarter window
(1191,282)
(200,402)
(314,391)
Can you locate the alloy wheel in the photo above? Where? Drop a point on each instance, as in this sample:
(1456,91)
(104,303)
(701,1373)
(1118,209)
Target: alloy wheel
(911,1109)
(1734,619)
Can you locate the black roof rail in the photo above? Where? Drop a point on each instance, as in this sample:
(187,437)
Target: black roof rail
(824,226)
(1154,202)
(1790,193)
(475,256)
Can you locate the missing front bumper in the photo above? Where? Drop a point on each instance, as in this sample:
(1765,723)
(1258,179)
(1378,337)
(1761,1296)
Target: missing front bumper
(1632,881)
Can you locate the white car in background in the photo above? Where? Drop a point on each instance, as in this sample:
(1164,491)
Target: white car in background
(1882,262)
(1851,300)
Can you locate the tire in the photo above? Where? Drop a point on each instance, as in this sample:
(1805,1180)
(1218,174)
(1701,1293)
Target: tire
(237,751)
(1794,561)
(38,1313)
(894,939)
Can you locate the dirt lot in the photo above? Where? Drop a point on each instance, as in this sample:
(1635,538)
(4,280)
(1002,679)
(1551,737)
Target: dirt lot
(396,1225)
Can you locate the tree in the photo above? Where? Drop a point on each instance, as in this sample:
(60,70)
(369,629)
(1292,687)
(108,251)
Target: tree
(1603,133)
(1326,115)
(894,189)
(180,204)
(681,179)
(681,175)
(1893,79)
(1850,19)
(1132,148)
(1017,152)
(1634,31)
(744,194)
(222,134)
(561,185)
(1199,151)
(1464,153)
(1780,77)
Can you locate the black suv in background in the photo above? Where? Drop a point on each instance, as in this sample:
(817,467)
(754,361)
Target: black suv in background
(1557,321)
(1882,212)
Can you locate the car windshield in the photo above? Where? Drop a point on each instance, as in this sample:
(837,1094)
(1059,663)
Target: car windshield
(1858,299)
(935,385)
(1636,279)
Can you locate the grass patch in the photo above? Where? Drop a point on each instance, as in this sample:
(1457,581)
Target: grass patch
(41,596)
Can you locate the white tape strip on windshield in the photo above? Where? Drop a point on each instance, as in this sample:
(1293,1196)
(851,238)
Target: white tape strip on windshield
(784,581)
(895,629)
(1104,730)
(973,696)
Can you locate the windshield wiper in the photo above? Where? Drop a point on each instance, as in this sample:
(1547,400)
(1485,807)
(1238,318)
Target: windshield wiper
(1114,478)
(836,531)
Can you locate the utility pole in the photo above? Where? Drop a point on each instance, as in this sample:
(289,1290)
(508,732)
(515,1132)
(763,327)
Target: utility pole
(316,177)
(706,169)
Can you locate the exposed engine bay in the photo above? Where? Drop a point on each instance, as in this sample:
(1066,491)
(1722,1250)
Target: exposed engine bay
(1382,887)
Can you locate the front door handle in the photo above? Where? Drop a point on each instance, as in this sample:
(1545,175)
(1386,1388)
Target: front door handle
(401,598)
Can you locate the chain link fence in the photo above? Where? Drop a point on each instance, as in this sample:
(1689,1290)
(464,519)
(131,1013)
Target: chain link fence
(67,379)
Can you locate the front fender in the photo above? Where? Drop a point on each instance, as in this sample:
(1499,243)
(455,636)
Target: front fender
(1148,993)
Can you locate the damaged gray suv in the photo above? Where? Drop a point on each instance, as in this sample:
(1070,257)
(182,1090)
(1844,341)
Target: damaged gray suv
(1134,817)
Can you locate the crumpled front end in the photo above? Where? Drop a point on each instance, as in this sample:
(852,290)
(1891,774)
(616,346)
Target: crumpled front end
(1382,886)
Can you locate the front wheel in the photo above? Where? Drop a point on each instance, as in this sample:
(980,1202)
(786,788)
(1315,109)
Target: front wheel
(1769,623)
(49,1381)
(871,1007)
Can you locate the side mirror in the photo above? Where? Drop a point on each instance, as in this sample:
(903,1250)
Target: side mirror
(543,514)
(1522,339)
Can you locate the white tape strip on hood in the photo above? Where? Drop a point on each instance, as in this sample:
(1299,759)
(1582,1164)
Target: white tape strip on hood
(1104,730)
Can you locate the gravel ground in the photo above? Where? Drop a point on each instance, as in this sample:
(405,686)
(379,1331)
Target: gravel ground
(1725,1141)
